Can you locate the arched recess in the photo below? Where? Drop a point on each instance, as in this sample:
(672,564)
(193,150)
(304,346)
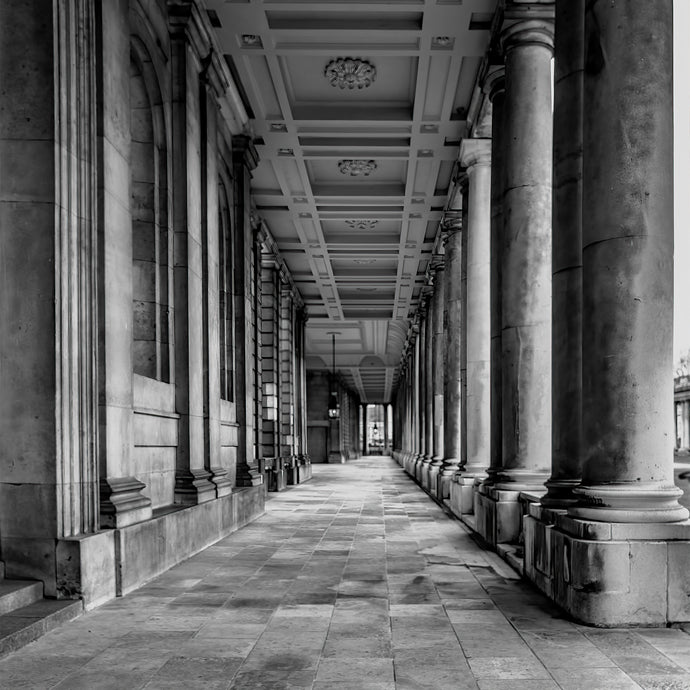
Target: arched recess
(225,286)
(151,234)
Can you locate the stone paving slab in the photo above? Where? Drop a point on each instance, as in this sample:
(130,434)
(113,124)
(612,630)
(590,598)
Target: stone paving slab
(354,581)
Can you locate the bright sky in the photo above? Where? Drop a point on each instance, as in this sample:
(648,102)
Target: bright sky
(681,340)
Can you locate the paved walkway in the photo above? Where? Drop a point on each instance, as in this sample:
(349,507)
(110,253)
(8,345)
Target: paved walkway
(356,580)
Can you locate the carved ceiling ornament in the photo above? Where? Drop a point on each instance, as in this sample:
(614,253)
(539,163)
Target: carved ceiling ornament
(350,73)
(362,224)
(356,167)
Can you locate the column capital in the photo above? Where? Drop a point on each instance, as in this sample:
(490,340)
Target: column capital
(451,224)
(524,26)
(438,262)
(475,152)
(187,23)
(494,81)
(243,146)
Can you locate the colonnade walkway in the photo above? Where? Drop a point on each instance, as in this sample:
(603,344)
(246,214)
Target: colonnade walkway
(358,580)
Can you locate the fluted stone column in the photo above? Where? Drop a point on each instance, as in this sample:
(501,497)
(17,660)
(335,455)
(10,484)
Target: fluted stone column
(452,397)
(628,266)
(526,253)
(475,155)
(566,454)
(438,344)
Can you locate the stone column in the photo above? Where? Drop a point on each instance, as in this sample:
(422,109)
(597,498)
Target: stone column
(526,251)
(192,478)
(426,392)
(245,159)
(494,87)
(421,391)
(438,374)
(416,396)
(475,155)
(627,255)
(685,410)
(429,378)
(452,392)
(566,452)
(305,471)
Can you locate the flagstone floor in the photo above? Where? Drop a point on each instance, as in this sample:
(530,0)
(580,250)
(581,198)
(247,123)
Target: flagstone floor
(355,580)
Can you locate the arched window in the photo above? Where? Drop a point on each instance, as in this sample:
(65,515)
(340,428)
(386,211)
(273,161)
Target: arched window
(150,232)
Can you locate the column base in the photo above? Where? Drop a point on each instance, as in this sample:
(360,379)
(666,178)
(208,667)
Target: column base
(275,477)
(248,476)
(289,465)
(497,515)
(462,494)
(638,502)
(121,502)
(304,473)
(336,458)
(434,472)
(610,574)
(219,476)
(193,486)
(559,493)
(520,480)
(424,469)
(418,462)
(445,478)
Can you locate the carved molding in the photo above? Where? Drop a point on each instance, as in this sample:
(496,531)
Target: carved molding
(362,224)
(357,167)
(350,73)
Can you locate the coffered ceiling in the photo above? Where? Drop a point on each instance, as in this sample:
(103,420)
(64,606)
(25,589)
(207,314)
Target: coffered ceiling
(358,111)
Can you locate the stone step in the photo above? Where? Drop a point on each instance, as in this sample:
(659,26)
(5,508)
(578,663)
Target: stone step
(15,594)
(24,625)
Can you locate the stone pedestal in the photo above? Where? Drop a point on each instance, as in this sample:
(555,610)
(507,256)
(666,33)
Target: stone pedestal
(610,574)
(497,514)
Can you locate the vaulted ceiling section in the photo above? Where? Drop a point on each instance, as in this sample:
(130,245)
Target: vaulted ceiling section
(358,112)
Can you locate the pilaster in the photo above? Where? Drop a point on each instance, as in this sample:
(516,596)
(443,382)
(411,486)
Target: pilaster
(192,477)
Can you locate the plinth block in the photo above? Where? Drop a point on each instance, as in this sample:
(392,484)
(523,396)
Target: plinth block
(435,480)
(454,502)
(636,580)
(498,515)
